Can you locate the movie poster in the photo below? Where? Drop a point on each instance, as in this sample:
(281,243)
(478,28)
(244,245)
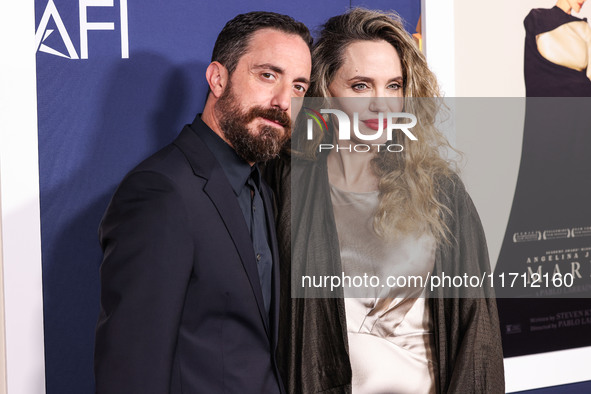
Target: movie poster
(546,250)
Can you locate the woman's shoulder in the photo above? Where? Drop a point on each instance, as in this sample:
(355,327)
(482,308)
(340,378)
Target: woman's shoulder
(454,196)
(450,186)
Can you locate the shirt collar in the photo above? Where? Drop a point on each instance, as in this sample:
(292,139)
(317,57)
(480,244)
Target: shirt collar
(237,170)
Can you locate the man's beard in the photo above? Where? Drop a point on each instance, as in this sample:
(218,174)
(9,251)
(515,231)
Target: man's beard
(234,121)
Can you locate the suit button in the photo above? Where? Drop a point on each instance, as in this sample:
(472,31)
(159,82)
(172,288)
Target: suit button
(258,257)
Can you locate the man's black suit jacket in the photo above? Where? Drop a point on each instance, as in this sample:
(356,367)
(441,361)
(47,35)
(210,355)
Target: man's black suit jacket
(181,304)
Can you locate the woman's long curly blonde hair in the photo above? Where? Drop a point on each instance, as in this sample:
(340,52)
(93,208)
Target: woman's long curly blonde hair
(410,198)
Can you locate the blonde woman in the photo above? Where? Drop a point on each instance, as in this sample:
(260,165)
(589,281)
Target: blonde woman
(389,212)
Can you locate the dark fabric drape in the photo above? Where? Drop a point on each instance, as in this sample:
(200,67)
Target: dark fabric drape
(313,354)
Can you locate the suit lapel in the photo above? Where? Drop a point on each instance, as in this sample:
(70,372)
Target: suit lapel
(220,192)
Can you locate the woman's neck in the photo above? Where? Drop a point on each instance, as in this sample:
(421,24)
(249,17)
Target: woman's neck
(351,171)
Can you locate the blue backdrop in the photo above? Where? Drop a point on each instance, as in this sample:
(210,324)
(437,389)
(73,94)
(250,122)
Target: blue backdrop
(101,112)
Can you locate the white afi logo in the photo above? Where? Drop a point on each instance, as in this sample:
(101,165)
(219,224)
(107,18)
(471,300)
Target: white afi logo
(85,26)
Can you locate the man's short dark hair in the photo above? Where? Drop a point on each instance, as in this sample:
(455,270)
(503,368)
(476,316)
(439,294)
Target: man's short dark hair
(233,40)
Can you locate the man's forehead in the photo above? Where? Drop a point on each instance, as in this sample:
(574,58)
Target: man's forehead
(270,40)
(277,51)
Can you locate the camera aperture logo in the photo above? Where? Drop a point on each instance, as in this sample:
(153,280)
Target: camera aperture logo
(385,123)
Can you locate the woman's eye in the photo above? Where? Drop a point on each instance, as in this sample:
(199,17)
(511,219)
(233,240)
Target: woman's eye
(395,86)
(360,87)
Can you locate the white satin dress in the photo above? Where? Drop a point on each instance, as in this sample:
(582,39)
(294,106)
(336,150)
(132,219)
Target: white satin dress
(389,327)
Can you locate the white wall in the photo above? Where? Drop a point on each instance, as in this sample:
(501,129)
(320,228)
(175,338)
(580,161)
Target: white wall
(2,333)
(19,188)
(437,16)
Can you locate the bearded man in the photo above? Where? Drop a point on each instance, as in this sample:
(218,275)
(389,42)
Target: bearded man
(190,276)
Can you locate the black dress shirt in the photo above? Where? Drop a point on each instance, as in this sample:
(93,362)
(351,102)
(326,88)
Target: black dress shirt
(246,182)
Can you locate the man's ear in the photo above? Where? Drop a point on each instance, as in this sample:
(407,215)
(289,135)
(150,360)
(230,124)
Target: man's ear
(217,78)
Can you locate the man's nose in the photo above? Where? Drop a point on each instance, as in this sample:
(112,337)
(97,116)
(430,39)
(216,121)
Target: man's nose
(282,97)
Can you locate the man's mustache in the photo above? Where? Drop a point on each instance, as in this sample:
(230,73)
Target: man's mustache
(274,114)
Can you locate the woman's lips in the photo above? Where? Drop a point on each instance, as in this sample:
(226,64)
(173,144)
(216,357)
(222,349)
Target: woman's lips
(374,124)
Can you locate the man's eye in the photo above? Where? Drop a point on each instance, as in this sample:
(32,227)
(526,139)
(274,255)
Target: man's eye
(300,88)
(268,75)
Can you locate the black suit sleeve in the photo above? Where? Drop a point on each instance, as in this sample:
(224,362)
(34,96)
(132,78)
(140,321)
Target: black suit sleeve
(148,257)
